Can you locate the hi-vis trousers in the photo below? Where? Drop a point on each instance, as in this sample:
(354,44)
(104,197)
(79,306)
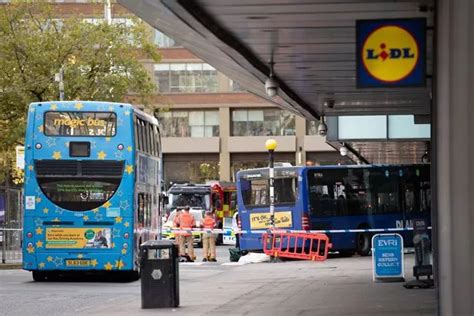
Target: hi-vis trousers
(209,246)
(186,241)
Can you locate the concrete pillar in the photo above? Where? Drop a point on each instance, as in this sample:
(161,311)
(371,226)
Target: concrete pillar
(223,83)
(224,133)
(300,128)
(454,150)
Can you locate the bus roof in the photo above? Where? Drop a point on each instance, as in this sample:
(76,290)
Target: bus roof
(66,103)
(300,168)
(138,111)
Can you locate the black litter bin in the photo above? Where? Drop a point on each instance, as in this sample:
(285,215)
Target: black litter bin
(159,274)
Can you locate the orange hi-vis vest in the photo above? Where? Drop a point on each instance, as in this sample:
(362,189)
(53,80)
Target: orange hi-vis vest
(209,222)
(186,221)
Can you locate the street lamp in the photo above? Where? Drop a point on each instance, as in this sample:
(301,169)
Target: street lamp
(270,145)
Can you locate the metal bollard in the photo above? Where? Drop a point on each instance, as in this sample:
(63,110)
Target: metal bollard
(4,245)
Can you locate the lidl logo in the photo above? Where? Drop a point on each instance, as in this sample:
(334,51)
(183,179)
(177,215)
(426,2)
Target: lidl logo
(390,53)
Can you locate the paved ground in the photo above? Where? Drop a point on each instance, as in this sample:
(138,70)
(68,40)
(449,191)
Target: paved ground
(338,286)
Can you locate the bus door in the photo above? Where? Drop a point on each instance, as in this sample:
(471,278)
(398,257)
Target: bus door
(416,197)
(407,203)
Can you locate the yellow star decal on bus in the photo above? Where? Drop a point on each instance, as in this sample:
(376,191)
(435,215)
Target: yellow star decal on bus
(95,210)
(80,256)
(57,155)
(41,265)
(129,169)
(30,249)
(45,210)
(124,251)
(108,266)
(107,139)
(126,224)
(54,107)
(50,259)
(30,167)
(40,128)
(85,218)
(101,155)
(78,106)
(94,262)
(39,231)
(56,219)
(118,219)
(39,244)
(129,148)
(127,113)
(38,200)
(119,264)
(107,204)
(111,108)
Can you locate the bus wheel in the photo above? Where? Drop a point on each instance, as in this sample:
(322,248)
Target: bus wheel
(133,275)
(52,276)
(346,253)
(39,276)
(363,244)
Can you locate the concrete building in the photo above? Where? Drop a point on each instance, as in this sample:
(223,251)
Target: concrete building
(211,126)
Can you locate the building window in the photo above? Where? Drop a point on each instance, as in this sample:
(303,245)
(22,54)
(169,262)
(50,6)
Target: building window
(190,123)
(235,86)
(312,127)
(163,41)
(262,122)
(186,78)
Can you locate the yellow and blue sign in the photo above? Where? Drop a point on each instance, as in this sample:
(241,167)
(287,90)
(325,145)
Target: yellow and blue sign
(391,53)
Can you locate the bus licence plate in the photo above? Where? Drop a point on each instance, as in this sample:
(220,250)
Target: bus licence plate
(78,263)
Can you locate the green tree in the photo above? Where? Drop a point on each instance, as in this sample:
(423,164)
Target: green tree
(100,62)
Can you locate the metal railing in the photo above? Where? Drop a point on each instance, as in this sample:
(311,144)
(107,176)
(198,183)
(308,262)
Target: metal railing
(10,242)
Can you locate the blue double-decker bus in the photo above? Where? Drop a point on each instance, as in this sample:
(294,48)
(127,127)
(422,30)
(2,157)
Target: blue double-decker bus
(92,187)
(347,202)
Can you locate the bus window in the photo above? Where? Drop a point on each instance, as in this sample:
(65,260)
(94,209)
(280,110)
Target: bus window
(256,192)
(285,190)
(62,183)
(327,193)
(357,194)
(259,192)
(141,209)
(425,197)
(409,197)
(385,188)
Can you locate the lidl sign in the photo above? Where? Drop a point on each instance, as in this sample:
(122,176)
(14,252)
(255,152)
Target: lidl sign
(391,53)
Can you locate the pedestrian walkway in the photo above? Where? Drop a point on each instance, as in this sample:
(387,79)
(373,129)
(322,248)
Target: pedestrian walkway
(337,286)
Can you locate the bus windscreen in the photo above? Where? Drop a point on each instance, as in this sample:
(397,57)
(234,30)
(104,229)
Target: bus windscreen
(256,192)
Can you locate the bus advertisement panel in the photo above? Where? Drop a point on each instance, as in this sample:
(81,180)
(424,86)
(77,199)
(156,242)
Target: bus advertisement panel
(92,187)
(335,198)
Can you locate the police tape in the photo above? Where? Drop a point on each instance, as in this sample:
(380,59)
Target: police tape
(263,231)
